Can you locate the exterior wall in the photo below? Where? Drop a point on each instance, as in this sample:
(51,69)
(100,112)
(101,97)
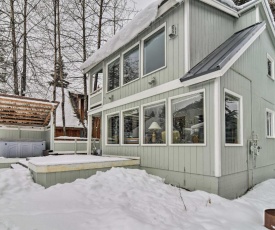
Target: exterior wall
(209,28)
(21,133)
(248,77)
(191,160)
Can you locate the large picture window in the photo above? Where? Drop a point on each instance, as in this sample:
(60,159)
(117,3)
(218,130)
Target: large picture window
(154,52)
(113,75)
(154,124)
(188,119)
(269,123)
(131,65)
(131,126)
(113,129)
(232,118)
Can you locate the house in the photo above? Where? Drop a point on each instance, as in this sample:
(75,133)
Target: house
(74,114)
(189,87)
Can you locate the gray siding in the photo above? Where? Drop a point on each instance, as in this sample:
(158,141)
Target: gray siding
(209,28)
(248,77)
(174,62)
(193,159)
(96,99)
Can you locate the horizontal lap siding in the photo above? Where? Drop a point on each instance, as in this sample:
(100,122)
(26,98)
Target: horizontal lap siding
(195,160)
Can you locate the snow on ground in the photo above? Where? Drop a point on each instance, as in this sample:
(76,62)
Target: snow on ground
(73,159)
(124,199)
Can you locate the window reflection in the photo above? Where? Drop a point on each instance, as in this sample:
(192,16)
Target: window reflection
(154,124)
(232,119)
(131,65)
(131,126)
(154,52)
(113,129)
(188,119)
(113,75)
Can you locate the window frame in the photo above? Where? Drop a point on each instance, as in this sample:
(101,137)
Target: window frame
(122,127)
(241,119)
(170,117)
(268,56)
(107,73)
(106,128)
(142,50)
(142,122)
(122,63)
(272,124)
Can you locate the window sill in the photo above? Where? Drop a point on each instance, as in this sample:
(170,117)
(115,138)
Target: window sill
(233,145)
(270,77)
(188,145)
(131,81)
(113,90)
(146,75)
(270,137)
(153,145)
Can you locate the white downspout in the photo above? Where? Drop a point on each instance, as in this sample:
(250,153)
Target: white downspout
(186,36)
(89,134)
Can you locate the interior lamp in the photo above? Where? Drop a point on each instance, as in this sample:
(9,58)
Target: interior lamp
(154,127)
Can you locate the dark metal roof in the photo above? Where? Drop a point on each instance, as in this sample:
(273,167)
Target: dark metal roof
(224,53)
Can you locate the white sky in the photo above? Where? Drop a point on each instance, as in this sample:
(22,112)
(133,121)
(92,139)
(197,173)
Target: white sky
(141,4)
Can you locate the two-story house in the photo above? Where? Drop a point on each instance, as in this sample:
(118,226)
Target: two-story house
(188,86)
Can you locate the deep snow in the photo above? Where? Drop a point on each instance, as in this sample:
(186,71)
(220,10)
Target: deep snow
(124,199)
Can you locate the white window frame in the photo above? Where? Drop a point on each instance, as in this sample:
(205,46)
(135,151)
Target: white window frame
(272,66)
(122,127)
(142,122)
(91,74)
(107,75)
(122,62)
(106,128)
(241,118)
(272,123)
(165,50)
(170,117)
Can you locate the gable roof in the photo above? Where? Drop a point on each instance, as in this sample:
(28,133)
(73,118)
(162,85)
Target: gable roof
(220,60)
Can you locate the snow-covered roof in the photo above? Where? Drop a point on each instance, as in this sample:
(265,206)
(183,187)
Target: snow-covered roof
(140,22)
(70,117)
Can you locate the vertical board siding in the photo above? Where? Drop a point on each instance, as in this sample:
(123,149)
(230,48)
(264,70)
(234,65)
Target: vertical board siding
(209,28)
(189,159)
(251,71)
(174,58)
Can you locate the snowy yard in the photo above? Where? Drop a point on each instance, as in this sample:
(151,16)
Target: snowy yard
(124,199)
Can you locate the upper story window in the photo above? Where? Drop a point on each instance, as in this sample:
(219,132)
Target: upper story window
(270,67)
(154,52)
(269,123)
(188,126)
(113,70)
(96,81)
(233,118)
(131,65)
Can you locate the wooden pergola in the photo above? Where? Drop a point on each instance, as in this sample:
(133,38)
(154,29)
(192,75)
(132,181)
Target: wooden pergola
(25,111)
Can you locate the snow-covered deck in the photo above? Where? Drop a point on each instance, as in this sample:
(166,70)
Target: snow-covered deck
(78,162)
(51,170)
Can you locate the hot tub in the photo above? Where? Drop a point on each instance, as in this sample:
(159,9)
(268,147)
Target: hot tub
(21,148)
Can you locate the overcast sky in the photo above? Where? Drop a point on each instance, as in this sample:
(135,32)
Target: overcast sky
(141,4)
